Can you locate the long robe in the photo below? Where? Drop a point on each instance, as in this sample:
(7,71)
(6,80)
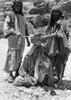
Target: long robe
(57,48)
(59,44)
(14,55)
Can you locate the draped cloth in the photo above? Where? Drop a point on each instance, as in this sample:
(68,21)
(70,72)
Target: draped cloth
(14,55)
(56,48)
(22,26)
(59,44)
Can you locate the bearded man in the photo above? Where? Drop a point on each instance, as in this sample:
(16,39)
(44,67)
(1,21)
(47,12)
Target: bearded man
(57,48)
(14,31)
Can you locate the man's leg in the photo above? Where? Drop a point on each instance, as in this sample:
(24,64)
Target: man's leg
(48,66)
(12,65)
(36,71)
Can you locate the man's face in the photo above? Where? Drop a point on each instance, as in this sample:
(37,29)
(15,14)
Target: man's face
(17,7)
(55,13)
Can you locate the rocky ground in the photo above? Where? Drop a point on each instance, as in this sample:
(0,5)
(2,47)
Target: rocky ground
(10,92)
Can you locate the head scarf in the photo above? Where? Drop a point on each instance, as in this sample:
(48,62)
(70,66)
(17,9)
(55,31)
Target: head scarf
(53,18)
(19,2)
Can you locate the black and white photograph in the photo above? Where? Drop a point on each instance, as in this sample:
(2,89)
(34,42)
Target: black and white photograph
(35,49)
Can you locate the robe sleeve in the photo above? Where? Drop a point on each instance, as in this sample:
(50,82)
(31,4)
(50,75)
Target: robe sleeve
(7,28)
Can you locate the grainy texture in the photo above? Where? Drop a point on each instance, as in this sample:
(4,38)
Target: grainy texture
(9,92)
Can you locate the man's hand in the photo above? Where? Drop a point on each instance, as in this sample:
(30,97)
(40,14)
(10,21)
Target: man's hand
(19,34)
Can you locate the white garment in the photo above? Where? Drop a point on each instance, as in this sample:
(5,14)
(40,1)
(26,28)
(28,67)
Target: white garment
(42,74)
(16,25)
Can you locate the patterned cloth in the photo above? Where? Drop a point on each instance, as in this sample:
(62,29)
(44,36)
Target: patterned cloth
(14,30)
(57,48)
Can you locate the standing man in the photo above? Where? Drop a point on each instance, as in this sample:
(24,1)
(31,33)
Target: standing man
(57,48)
(14,30)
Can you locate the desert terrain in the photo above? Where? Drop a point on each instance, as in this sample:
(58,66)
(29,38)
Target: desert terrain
(10,92)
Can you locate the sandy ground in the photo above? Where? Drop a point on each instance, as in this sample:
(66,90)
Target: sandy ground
(10,92)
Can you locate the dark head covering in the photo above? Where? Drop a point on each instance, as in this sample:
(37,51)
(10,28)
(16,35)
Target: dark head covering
(18,3)
(55,17)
